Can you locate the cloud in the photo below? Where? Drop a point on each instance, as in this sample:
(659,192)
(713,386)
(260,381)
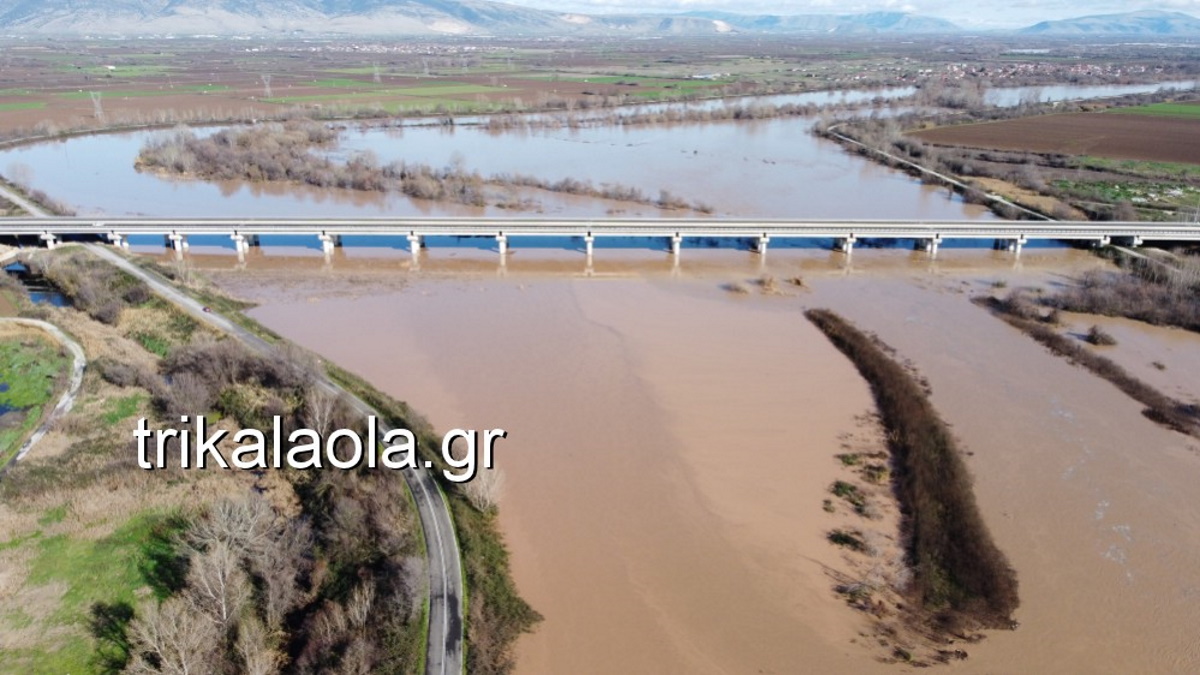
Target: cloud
(983,13)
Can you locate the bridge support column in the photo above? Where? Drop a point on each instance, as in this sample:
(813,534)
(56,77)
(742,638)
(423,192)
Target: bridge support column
(50,239)
(241,245)
(763,241)
(502,245)
(589,243)
(177,241)
(676,245)
(931,245)
(118,240)
(846,245)
(1104,241)
(1018,244)
(329,242)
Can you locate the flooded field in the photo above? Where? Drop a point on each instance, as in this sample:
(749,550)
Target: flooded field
(671,444)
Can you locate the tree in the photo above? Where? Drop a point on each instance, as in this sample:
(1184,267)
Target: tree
(483,491)
(170,638)
(217,585)
(254,649)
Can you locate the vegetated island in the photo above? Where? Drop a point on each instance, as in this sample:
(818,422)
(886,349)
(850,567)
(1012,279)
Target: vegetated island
(961,581)
(287,152)
(218,571)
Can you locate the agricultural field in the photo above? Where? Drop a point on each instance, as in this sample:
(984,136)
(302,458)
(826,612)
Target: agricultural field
(1139,137)
(1189,110)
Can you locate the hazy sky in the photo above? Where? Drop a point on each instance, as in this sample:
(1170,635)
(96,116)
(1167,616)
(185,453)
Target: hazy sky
(998,13)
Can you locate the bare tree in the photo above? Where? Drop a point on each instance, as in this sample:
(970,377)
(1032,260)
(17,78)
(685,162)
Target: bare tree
(320,410)
(217,585)
(169,638)
(254,648)
(483,491)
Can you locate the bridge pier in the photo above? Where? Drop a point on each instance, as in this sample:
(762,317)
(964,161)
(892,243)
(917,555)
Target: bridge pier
(931,245)
(329,242)
(761,247)
(676,245)
(177,241)
(589,243)
(1103,241)
(241,245)
(846,245)
(502,245)
(118,240)
(50,240)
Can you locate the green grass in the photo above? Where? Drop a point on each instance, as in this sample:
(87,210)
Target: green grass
(1142,168)
(345,83)
(22,105)
(381,95)
(121,409)
(140,70)
(30,368)
(1183,110)
(143,93)
(112,569)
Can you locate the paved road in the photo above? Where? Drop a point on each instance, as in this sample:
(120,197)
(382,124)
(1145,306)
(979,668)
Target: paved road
(67,401)
(444,653)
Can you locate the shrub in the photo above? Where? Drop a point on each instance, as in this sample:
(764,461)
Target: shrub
(958,570)
(1099,337)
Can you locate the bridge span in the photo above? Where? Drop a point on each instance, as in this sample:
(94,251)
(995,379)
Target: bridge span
(245,232)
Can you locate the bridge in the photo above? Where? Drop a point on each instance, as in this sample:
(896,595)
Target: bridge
(245,232)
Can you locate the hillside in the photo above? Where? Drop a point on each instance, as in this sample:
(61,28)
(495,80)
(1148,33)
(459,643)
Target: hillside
(408,17)
(1148,23)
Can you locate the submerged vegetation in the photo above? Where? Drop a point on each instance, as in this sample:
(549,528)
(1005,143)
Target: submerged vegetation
(960,576)
(1022,313)
(287,153)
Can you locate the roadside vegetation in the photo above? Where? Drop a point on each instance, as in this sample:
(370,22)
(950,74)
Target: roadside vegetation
(960,578)
(114,569)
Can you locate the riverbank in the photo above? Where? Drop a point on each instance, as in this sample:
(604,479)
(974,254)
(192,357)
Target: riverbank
(696,535)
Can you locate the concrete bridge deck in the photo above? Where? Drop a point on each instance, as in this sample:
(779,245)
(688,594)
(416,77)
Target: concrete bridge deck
(245,231)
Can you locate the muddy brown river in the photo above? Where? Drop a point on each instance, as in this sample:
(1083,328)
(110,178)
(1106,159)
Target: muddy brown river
(671,444)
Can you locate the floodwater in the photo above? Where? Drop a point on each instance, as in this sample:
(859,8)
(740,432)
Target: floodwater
(768,168)
(671,443)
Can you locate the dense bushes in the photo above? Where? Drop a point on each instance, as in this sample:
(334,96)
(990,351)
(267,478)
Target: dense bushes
(95,287)
(959,572)
(1148,292)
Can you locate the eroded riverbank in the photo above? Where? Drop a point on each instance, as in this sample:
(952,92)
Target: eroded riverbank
(671,444)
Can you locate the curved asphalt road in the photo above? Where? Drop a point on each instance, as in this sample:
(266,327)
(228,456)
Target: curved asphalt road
(444,649)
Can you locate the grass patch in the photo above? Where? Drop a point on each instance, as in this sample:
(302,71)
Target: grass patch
(959,572)
(1185,110)
(22,105)
(143,93)
(109,570)
(30,371)
(121,409)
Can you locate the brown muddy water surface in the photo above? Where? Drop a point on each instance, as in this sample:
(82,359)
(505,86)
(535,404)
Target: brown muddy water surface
(671,444)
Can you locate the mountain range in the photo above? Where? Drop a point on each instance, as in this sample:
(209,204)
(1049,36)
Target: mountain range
(484,17)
